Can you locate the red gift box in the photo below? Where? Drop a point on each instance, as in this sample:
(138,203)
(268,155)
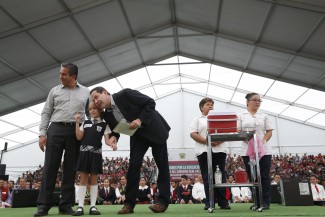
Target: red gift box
(241,176)
(222,122)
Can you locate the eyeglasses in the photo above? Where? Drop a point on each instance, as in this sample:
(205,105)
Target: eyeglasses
(256,100)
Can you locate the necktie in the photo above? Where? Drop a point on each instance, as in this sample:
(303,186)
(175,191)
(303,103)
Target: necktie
(227,193)
(316,188)
(106,192)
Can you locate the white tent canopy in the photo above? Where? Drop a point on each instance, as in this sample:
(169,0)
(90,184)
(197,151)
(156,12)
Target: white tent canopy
(218,48)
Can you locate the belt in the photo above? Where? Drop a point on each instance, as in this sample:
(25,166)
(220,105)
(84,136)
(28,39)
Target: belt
(66,123)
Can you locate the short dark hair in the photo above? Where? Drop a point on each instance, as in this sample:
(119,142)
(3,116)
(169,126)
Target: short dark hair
(205,100)
(73,69)
(99,89)
(230,175)
(184,176)
(313,175)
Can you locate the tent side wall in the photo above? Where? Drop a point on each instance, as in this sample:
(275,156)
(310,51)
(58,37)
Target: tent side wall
(179,109)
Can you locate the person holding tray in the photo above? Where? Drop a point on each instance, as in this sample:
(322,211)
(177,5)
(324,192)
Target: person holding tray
(253,119)
(198,132)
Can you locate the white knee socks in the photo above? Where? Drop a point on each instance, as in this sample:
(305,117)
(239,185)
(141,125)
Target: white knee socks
(93,195)
(81,195)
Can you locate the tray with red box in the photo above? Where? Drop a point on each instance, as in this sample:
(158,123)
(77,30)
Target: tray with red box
(222,122)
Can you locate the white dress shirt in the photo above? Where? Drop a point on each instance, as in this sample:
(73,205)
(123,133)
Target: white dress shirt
(199,125)
(198,191)
(259,122)
(320,194)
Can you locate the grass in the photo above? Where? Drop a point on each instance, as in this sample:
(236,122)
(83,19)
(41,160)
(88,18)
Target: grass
(195,210)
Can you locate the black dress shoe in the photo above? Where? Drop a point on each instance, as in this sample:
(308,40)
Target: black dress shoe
(265,207)
(126,210)
(41,212)
(158,208)
(79,211)
(67,211)
(225,207)
(93,211)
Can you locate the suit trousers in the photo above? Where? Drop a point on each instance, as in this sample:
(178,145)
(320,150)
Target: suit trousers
(59,138)
(138,147)
(265,166)
(217,159)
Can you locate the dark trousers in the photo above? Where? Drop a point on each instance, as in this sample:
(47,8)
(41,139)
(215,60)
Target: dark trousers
(217,159)
(265,165)
(59,138)
(138,148)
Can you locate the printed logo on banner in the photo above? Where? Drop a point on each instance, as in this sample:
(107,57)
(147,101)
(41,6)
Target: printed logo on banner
(182,155)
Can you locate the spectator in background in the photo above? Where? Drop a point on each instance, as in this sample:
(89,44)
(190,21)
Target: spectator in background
(11,185)
(107,193)
(198,192)
(184,193)
(154,192)
(317,191)
(122,188)
(241,194)
(3,191)
(173,192)
(22,184)
(276,180)
(114,185)
(190,181)
(144,193)
(230,180)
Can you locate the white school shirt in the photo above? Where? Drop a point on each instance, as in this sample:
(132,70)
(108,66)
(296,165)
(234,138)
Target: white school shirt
(240,192)
(199,125)
(320,194)
(259,122)
(198,191)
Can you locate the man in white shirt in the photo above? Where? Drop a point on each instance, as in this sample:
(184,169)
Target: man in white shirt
(318,191)
(198,192)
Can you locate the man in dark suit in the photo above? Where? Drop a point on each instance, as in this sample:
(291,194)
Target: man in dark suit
(153,131)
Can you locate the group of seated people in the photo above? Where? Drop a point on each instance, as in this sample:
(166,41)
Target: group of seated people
(186,190)
(6,190)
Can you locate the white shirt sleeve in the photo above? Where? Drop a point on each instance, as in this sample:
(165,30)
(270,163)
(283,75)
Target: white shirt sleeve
(107,130)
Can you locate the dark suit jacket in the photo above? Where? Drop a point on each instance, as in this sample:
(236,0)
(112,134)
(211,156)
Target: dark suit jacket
(186,195)
(133,105)
(111,197)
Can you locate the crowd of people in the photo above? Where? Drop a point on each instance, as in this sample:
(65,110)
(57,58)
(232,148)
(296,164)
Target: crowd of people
(188,190)
(287,166)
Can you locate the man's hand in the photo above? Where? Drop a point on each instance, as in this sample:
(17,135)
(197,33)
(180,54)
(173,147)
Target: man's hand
(42,142)
(135,124)
(78,117)
(112,143)
(216,143)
